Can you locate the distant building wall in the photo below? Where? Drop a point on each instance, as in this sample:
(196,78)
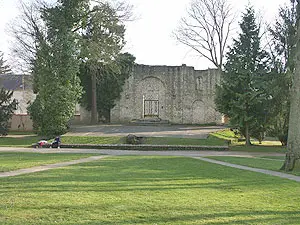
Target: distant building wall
(179,94)
(20,122)
(21,85)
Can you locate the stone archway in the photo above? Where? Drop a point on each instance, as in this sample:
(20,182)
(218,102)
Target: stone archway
(151,95)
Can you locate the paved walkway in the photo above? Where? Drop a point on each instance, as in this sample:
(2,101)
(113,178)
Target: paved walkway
(136,152)
(193,154)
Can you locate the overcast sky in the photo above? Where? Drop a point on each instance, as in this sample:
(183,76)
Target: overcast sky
(149,38)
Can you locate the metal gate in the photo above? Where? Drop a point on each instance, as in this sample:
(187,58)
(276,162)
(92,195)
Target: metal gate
(151,108)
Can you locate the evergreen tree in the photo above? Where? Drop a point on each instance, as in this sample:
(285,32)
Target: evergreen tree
(241,94)
(7,105)
(56,67)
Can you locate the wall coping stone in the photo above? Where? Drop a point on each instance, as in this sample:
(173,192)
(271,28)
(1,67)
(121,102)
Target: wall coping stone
(143,147)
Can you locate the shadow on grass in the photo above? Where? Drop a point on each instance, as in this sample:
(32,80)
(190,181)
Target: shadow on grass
(149,190)
(248,217)
(140,174)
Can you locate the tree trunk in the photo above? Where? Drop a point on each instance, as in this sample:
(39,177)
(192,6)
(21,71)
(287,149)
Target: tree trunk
(248,142)
(94,113)
(292,160)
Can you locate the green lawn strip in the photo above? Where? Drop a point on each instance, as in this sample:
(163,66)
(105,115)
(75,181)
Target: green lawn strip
(262,163)
(28,140)
(225,134)
(91,140)
(13,161)
(21,141)
(148,190)
(259,148)
(210,141)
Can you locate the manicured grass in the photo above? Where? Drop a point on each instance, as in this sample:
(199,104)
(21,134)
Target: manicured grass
(21,141)
(262,163)
(260,148)
(148,190)
(225,134)
(12,161)
(210,141)
(28,140)
(91,140)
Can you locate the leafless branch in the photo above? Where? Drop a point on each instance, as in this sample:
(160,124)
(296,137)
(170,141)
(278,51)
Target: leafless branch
(27,30)
(206,29)
(123,9)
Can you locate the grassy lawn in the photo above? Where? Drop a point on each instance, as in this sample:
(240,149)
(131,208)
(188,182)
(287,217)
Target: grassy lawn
(91,140)
(269,163)
(225,134)
(28,140)
(13,161)
(210,141)
(148,190)
(260,148)
(21,141)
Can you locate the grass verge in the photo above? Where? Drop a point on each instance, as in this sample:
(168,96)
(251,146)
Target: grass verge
(13,161)
(260,148)
(21,141)
(268,163)
(210,141)
(148,190)
(28,140)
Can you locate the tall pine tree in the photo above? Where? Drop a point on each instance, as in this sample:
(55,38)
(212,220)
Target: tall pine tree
(241,95)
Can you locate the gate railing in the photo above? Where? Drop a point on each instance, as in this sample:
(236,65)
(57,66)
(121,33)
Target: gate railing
(151,108)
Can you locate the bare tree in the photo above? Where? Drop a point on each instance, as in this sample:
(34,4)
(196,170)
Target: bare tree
(206,28)
(27,31)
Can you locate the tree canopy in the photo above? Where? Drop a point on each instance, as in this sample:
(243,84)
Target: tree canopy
(55,68)
(102,41)
(241,95)
(110,80)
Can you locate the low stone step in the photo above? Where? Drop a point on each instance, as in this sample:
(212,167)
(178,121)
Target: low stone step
(150,121)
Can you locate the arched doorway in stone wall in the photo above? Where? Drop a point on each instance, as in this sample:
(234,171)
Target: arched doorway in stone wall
(150,96)
(198,112)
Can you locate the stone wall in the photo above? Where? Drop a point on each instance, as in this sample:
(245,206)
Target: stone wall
(184,95)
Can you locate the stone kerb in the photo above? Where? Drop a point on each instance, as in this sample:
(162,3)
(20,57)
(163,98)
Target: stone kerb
(142,147)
